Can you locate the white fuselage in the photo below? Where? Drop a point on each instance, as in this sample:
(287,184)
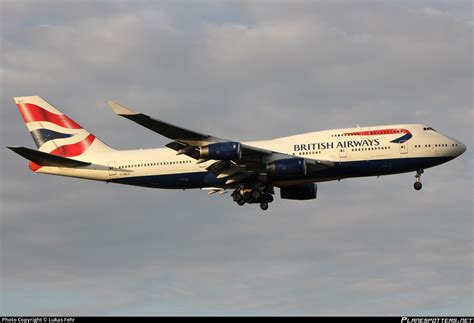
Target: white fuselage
(360,151)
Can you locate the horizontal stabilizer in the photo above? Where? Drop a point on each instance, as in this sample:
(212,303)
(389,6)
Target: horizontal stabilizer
(45,159)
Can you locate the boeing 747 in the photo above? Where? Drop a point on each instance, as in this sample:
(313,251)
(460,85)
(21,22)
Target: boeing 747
(251,170)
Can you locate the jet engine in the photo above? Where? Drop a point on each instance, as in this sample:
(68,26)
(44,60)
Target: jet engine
(221,151)
(287,167)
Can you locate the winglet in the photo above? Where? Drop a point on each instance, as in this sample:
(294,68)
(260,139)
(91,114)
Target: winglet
(119,109)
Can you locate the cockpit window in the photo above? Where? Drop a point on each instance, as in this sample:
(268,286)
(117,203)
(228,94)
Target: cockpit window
(429,128)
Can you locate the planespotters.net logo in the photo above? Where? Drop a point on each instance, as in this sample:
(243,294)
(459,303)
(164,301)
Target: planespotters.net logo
(437,320)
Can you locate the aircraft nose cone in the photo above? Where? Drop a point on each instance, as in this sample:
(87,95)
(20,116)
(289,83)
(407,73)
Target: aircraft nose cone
(462,148)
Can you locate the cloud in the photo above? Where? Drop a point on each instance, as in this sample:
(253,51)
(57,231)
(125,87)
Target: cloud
(242,71)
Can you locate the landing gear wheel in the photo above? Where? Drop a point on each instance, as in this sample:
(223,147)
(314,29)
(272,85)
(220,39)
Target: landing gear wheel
(256,195)
(247,196)
(261,187)
(417,186)
(241,202)
(264,206)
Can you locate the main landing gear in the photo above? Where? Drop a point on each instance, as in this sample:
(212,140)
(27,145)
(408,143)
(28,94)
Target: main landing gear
(418,184)
(259,193)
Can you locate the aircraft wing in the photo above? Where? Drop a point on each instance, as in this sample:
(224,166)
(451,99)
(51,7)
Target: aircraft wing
(163,128)
(188,142)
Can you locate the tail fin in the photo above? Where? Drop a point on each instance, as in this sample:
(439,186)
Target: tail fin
(54,132)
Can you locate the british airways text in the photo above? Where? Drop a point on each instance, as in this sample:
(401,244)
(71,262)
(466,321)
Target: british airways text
(340,144)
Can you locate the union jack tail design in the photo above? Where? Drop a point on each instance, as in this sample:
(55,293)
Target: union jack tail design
(54,132)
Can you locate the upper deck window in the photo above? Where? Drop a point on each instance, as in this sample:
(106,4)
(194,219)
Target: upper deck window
(428,128)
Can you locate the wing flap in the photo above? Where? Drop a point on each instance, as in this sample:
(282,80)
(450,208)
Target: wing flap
(219,166)
(185,149)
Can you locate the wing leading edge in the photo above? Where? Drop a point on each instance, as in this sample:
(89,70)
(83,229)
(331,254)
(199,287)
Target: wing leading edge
(168,130)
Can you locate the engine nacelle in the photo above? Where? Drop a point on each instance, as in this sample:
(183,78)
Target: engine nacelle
(299,192)
(287,167)
(222,151)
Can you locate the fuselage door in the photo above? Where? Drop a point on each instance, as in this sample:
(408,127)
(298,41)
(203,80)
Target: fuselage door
(112,170)
(342,153)
(403,148)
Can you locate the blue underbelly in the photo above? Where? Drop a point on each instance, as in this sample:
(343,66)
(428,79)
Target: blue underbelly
(173,181)
(340,170)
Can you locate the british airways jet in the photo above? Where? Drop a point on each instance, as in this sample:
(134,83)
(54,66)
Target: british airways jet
(252,170)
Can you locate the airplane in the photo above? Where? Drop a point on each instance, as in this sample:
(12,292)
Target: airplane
(294,164)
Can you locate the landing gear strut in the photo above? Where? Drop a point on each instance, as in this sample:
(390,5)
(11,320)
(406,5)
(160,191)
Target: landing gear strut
(259,193)
(418,184)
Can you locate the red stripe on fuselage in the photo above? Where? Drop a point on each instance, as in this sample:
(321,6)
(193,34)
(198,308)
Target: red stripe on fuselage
(68,150)
(31,112)
(377,132)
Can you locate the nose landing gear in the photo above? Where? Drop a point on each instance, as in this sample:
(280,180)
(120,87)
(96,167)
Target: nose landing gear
(418,184)
(259,193)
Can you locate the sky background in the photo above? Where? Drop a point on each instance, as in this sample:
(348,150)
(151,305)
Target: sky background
(240,70)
